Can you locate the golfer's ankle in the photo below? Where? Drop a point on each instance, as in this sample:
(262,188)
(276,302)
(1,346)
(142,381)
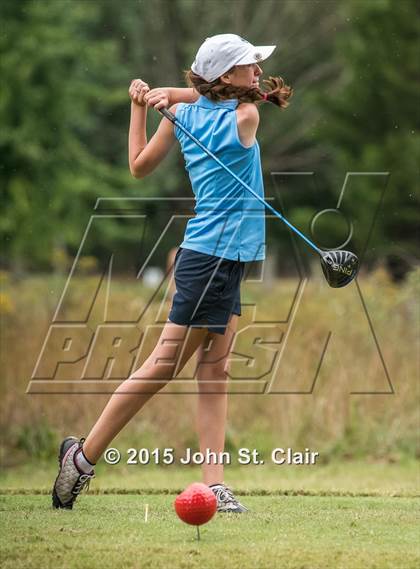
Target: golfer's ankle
(82,463)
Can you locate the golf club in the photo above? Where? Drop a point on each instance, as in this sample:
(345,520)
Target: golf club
(339,267)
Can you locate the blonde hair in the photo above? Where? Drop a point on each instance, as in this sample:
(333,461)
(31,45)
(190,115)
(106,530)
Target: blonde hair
(277,92)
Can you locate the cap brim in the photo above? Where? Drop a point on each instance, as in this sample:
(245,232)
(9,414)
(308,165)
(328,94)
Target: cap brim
(256,54)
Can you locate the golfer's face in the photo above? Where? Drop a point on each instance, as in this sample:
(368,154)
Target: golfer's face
(246,75)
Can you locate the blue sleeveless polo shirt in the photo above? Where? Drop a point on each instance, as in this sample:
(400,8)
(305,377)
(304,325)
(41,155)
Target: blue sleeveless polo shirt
(229,221)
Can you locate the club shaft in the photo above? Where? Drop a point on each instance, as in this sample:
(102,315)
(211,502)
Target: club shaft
(170,116)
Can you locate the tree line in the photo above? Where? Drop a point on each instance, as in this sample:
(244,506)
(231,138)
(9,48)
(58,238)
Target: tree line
(65,70)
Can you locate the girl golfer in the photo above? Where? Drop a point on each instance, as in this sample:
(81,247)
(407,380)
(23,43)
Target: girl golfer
(220,109)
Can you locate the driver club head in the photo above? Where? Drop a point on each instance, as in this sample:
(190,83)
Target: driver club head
(340,267)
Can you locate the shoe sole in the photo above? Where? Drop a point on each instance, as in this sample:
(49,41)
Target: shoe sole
(64,447)
(235,512)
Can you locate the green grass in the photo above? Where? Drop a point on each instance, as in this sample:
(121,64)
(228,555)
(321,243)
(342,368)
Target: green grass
(342,515)
(308,532)
(363,477)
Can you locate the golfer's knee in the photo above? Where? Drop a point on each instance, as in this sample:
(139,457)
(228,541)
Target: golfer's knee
(212,379)
(213,369)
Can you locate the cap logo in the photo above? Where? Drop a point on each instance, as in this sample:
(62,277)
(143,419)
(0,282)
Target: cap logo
(258,56)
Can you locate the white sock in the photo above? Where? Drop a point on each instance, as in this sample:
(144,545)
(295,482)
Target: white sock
(82,462)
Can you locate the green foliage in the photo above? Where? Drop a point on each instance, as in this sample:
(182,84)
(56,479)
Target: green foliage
(373,118)
(52,171)
(37,440)
(66,66)
(64,108)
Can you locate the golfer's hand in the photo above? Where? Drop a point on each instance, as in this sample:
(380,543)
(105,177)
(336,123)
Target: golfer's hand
(157,98)
(137,92)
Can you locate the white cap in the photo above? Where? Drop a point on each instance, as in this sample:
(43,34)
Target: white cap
(220,53)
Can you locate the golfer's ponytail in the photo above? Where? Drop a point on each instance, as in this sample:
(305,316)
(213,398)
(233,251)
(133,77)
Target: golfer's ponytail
(276,91)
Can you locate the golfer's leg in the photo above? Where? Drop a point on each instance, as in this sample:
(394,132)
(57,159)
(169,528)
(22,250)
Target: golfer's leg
(212,398)
(175,347)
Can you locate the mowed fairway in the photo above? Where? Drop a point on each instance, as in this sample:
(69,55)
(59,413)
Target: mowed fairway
(311,532)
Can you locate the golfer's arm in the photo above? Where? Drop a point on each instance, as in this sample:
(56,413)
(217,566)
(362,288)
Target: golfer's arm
(137,137)
(248,118)
(155,150)
(181,95)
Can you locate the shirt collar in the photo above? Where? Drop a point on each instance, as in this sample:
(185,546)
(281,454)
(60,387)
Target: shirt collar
(203,101)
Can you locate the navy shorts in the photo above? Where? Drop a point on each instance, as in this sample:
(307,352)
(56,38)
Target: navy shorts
(207,290)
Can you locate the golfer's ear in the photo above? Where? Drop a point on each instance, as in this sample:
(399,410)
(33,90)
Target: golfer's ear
(225,78)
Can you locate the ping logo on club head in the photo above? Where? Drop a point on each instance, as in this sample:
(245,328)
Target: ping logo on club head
(341,269)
